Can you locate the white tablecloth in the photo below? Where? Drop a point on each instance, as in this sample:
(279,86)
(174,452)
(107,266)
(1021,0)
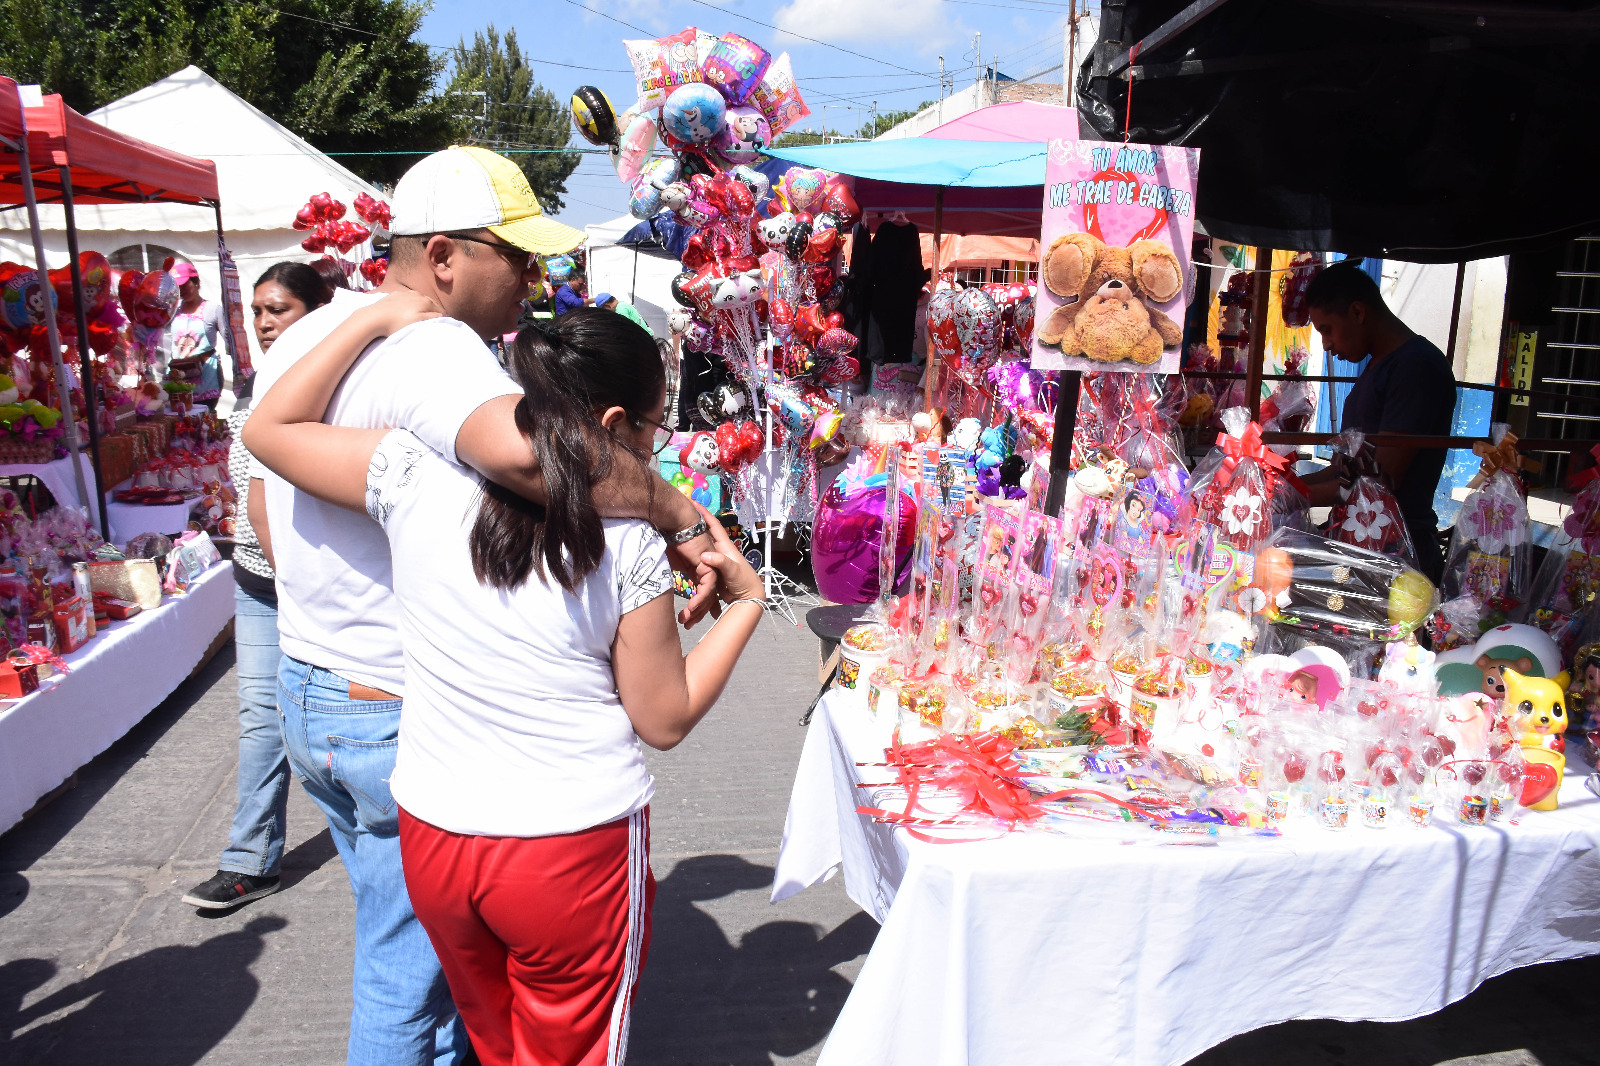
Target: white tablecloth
(1041,948)
(117,678)
(56,476)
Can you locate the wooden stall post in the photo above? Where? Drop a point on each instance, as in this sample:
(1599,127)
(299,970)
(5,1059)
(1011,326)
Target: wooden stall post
(85,359)
(1260,300)
(930,379)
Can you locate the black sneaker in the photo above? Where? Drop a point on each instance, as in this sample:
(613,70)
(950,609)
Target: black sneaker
(228,889)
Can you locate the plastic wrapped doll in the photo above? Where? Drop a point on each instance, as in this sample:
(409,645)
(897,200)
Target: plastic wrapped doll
(1490,549)
(1568,580)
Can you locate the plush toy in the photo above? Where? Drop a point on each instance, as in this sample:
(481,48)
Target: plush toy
(1409,667)
(1108,293)
(1538,718)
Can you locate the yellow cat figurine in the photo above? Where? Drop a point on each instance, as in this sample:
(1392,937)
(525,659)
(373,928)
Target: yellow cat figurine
(1538,717)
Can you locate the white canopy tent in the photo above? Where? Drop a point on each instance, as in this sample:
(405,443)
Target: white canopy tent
(643,280)
(264,172)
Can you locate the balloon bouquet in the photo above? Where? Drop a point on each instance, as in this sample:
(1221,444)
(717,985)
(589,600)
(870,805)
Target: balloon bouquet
(759,292)
(150,300)
(331,231)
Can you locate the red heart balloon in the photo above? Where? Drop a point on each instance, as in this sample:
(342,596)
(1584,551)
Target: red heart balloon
(305,218)
(839,371)
(1539,779)
(781,315)
(942,326)
(315,243)
(128,290)
(835,342)
(822,277)
(751,441)
(728,451)
(838,199)
(834,320)
(321,205)
(695,255)
(95,270)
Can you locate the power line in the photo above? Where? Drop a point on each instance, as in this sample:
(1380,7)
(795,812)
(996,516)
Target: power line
(803,37)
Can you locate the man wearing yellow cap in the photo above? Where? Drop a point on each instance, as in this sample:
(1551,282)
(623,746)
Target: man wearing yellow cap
(466,233)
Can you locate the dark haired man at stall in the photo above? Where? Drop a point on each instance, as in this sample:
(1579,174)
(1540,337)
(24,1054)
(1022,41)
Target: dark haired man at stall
(1408,387)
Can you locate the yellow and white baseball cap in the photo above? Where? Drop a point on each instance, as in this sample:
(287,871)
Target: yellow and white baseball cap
(465,188)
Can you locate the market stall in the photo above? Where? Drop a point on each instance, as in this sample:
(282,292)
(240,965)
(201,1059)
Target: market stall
(112,682)
(1147,956)
(95,634)
(1077,652)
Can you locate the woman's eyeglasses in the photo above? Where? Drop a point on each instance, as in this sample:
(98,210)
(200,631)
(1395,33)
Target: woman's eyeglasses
(663,435)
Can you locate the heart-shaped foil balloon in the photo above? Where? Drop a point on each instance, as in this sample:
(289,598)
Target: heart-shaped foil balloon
(942,326)
(838,200)
(1022,322)
(978,326)
(751,441)
(835,342)
(781,316)
(801,187)
(839,371)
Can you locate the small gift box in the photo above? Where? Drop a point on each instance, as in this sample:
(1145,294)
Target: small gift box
(128,579)
(72,624)
(18,677)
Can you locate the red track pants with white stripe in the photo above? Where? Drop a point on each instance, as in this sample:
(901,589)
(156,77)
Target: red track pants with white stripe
(541,938)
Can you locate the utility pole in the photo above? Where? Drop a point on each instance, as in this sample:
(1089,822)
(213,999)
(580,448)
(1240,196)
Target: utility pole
(977,51)
(941,90)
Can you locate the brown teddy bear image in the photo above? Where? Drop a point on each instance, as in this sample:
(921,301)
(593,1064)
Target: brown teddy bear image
(1105,314)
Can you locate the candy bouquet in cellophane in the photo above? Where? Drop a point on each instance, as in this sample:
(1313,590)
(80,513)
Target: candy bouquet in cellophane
(1488,568)
(1562,596)
(1165,661)
(1367,515)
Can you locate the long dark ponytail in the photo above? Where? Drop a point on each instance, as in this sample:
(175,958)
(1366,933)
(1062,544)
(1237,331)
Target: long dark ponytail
(569,368)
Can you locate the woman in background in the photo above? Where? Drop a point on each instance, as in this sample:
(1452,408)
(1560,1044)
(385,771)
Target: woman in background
(283,295)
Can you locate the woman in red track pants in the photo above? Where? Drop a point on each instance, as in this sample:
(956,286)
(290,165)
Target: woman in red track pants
(540,651)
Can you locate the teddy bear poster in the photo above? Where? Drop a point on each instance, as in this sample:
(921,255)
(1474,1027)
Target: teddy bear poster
(1114,271)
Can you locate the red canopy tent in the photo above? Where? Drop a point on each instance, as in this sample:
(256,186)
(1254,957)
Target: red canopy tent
(58,156)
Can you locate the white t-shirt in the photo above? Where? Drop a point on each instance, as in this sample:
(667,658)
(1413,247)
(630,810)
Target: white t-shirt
(512,725)
(336,604)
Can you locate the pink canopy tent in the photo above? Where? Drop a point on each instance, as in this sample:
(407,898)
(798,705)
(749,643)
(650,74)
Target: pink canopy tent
(999,212)
(1019,120)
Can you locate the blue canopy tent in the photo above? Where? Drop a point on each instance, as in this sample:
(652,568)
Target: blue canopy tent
(956,186)
(948,186)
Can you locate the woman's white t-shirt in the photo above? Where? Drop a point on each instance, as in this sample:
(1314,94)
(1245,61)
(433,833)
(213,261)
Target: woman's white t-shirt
(511,724)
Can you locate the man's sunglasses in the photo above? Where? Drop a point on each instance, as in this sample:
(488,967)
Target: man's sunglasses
(518,258)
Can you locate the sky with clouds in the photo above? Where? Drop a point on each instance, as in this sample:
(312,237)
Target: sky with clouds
(846,54)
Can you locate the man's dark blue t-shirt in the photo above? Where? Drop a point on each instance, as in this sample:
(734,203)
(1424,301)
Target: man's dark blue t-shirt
(567,300)
(1410,390)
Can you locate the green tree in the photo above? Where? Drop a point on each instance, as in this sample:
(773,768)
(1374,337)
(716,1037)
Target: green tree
(802,138)
(347,75)
(888,120)
(499,105)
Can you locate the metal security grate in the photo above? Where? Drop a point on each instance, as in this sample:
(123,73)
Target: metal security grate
(1571,357)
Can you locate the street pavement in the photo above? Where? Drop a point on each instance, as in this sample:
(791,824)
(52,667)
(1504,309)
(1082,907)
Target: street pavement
(101,963)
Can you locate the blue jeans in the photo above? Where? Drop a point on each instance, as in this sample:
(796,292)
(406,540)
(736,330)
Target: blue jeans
(343,752)
(255,843)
